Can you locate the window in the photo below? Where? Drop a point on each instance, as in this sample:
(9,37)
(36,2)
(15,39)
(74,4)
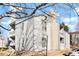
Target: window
(44,41)
(61,40)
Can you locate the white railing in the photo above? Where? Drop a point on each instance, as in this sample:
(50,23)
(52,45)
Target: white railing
(11,33)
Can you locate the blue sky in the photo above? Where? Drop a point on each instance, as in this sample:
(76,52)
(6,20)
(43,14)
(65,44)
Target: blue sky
(64,15)
(5,21)
(40,1)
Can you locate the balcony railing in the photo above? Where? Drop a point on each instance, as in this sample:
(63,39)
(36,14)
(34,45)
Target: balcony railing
(11,33)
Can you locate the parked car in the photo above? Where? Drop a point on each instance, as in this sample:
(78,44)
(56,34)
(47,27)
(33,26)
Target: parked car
(75,52)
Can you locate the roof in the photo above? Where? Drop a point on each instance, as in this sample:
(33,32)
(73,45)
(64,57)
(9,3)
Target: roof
(76,32)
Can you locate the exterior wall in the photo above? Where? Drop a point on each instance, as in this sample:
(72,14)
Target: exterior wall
(3,42)
(18,38)
(75,38)
(53,33)
(49,36)
(66,40)
(11,37)
(38,33)
(3,39)
(29,34)
(62,42)
(35,27)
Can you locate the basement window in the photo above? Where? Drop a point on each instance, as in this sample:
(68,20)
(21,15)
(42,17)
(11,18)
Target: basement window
(44,42)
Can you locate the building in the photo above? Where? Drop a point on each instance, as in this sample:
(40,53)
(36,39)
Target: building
(3,43)
(3,39)
(58,39)
(53,32)
(11,38)
(74,38)
(35,34)
(30,34)
(38,34)
(64,39)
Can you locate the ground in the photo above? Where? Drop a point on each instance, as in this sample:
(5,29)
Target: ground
(9,52)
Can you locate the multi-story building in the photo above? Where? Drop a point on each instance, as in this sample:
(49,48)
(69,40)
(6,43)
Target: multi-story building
(53,32)
(12,35)
(64,39)
(58,39)
(3,39)
(39,34)
(11,41)
(3,43)
(74,38)
(30,34)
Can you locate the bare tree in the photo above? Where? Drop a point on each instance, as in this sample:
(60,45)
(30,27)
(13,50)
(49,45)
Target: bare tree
(23,12)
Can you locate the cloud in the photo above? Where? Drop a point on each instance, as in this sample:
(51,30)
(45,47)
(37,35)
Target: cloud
(77,9)
(3,23)
(72,28)
(71,22)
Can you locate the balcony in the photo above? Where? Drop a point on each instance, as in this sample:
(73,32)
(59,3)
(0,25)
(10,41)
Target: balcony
(13,25)
(12,34)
